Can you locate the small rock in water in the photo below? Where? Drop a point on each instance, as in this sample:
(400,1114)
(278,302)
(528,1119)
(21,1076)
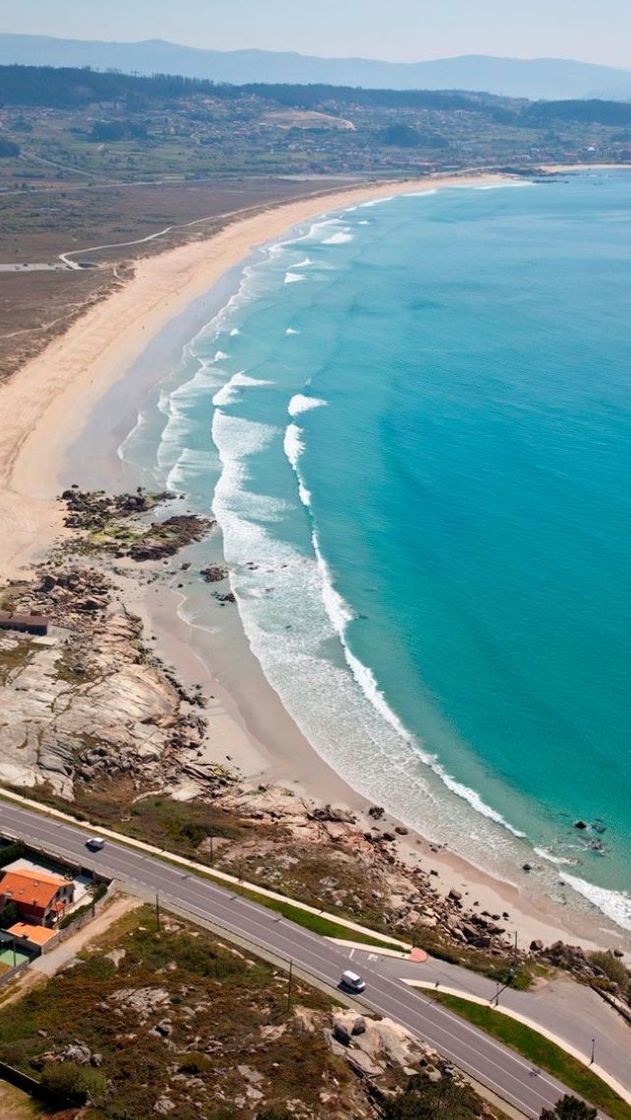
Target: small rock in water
(581,825)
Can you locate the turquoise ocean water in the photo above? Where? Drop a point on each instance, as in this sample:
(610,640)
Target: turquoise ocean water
(413,423)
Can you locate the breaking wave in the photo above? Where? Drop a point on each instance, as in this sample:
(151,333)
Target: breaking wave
(229,392)
(300,403)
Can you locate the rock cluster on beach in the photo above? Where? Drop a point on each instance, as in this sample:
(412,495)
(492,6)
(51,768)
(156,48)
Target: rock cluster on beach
(113,524)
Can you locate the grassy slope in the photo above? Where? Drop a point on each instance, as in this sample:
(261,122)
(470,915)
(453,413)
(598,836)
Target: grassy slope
(541,1052)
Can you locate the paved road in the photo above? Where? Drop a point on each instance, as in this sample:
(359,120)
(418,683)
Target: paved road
(568,1010)
(505,1073)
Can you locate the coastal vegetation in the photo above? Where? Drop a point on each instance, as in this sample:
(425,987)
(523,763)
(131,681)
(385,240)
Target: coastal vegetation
(169,1019)
(613,969)
(569,1108)
(541,1052)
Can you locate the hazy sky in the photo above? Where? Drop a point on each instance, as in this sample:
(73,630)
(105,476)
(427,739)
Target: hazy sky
(594,30)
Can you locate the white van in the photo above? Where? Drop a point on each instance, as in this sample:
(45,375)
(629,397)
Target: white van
(95,844)
(352,982)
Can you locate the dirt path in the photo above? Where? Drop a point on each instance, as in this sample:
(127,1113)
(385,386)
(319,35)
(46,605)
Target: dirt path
(50,963)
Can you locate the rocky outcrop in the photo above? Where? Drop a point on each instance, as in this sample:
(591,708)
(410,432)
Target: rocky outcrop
(93,509)
(165,538)
(114,524)
(213,574)
(90,701)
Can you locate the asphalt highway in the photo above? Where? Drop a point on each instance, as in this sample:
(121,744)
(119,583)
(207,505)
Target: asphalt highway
(476,1054)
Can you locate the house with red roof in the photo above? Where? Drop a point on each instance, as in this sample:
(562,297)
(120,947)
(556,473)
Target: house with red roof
(40,898)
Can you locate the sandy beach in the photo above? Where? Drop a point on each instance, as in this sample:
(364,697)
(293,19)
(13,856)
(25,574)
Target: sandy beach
(48,405)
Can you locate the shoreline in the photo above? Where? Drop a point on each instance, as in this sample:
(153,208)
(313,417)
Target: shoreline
(48,402)
(52,402)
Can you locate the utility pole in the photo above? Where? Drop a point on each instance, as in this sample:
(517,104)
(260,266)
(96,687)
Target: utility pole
(157,913)
(289,980)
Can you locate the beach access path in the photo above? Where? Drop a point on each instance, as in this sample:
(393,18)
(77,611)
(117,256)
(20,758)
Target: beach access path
(495,1067)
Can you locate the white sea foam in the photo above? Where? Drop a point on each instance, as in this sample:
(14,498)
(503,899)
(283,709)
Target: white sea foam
(615,904)
(291,330)
(471,796)
(142,422)
(320,227)
(364,222)
(293,447)
(293,277)
(237,440)
(560,861)
(292,444)
(220,356)
(176,429)
(376,202)
(341,614)
(503,186)
(234,332)
(421,194)
(190,465)
(205,378)
(339,238)
(300,403)
(229,392)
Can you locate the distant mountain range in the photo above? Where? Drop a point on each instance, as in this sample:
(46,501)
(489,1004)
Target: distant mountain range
(511,77)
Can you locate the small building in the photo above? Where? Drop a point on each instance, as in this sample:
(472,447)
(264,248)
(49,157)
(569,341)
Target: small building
(39,898)
(26,623)
(32,937)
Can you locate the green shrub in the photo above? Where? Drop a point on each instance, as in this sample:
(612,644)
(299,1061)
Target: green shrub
(424,1100)
(613,968)
(72,1083)
(69,919)
(195,1063)
(569,1108)
(11,852)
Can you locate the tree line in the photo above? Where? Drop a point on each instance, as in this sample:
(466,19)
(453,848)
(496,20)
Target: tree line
(75,88)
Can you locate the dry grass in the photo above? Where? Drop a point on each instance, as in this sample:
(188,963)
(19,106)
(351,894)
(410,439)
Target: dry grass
(50,218)
(219,1004)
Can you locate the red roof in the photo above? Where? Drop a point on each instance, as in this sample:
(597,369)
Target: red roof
(38,935)
(32,888)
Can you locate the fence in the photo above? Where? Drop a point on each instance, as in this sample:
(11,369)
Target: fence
(617,1004)
(28,1084)
(89,911)
(13,972)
